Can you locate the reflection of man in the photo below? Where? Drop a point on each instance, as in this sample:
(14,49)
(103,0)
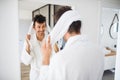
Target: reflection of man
(79,60)
(31,52)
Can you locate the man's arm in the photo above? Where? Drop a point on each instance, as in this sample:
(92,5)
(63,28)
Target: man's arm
(28,44)
(51,69)
(26,58)
(46,51)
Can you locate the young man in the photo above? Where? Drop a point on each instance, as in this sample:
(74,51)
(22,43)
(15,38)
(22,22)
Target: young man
(79,60)
(31,52)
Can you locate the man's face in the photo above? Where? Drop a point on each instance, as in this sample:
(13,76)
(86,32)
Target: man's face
(40,28)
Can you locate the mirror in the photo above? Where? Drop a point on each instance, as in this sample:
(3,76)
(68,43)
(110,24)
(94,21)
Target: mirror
(27,11)
(114,27)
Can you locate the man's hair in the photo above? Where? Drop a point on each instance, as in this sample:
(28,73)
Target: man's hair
(75,26)
(60,11)
(39,18)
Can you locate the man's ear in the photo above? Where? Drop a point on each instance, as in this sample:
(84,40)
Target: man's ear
(66,36)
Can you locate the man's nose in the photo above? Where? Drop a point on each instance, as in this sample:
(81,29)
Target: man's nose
(41,29)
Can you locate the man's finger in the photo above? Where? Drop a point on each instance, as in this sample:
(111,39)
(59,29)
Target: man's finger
(48,39)
(48,42)
(44,44)
(28,36)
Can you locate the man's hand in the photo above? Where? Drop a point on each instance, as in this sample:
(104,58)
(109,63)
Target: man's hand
(28,44)
(56,49)
(46,51)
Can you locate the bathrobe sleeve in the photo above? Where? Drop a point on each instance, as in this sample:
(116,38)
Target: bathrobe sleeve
(26,58)
(54,71)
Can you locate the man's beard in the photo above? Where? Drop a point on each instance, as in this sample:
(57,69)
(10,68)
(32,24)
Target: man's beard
(40,33)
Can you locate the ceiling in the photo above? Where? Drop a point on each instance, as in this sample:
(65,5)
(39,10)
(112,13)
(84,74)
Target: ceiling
(34,4)
(29,4)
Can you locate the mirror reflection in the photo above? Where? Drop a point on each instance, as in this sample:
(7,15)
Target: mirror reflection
(29,13)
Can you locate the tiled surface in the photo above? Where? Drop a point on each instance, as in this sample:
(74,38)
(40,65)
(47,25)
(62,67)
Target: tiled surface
(25,72)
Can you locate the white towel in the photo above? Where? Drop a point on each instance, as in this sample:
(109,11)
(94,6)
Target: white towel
(63,24)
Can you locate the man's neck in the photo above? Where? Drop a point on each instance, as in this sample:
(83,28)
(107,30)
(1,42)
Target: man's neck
(40,37)
(72,34)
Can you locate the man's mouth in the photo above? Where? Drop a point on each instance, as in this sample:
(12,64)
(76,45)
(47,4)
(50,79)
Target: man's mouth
(41,31)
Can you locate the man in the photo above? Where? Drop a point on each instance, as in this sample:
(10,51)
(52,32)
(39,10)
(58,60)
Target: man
(79,60)
(31,53)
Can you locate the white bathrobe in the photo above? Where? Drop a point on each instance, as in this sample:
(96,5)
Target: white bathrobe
(79,60)
(34,59)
